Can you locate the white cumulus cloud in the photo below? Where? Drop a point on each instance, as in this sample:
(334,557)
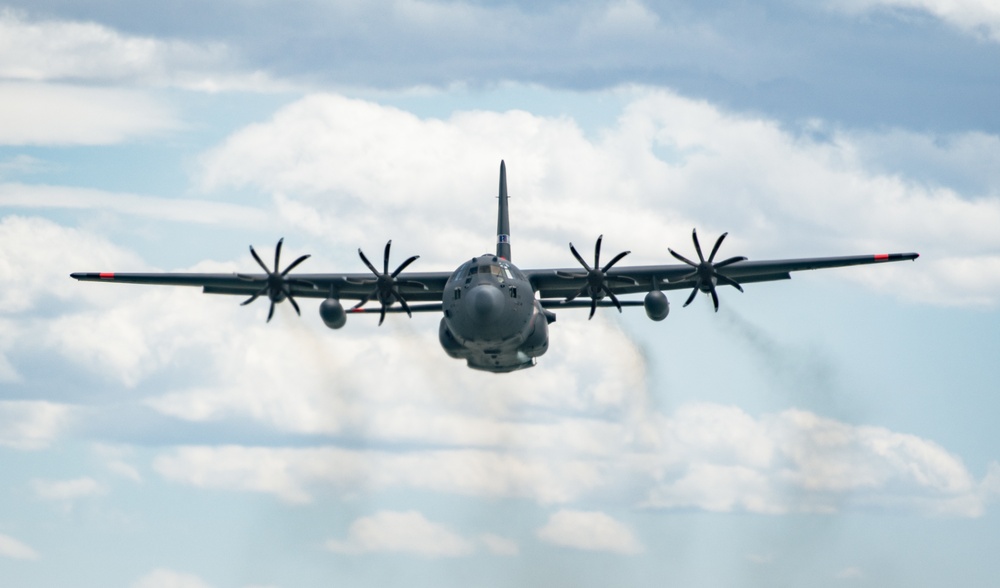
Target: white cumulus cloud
(590,531)
(401,532)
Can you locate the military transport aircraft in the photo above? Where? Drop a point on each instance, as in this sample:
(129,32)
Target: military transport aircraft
(495,315)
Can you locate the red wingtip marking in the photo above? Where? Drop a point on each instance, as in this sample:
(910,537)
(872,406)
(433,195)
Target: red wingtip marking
(107,275)
(882,257)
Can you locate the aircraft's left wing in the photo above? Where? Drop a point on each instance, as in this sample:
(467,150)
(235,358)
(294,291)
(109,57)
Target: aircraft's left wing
(423,288)
(415,286)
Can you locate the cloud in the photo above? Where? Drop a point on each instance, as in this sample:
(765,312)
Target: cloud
(589,531)
(67,491)
(42,197)
(294,474)
(55,114)
(499,545)
(165,578)
(812,464)
(32,424)
(401,532)
(74,51)
(14,549)
(977,17)
(328,161)
(38,255)
(707,457)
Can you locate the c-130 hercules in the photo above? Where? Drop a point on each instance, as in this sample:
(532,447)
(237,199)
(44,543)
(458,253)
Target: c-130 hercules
(496,315)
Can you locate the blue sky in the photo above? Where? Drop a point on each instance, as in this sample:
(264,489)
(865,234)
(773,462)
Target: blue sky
(833,430)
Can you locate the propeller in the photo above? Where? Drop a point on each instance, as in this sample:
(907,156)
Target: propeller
(598,282)
(277,285)
(706,273)
(386,285)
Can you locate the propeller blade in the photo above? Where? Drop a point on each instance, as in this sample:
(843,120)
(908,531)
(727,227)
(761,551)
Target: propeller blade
(294,263)
(716,248)
(597,251)
(730,261)
(368,263)
(385,258)
(270,313)
(729,281)
(615,260)
(405,306)
(579,292)
(577,256)
(277,254)
(613,298)
(715,298)
(294,304)
(694,292)
(381,317)
(593,308)
(403,265)
(682,258)
(259,262)
(697,246)
(254,297)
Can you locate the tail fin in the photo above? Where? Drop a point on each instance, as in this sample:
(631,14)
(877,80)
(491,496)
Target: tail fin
(503,218)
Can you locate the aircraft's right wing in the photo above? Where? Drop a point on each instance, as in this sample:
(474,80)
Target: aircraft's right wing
(569,283)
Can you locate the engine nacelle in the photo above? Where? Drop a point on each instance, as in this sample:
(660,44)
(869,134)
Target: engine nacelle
(656,305)
(332,313)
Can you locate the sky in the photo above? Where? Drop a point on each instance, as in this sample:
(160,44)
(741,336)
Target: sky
(834,430)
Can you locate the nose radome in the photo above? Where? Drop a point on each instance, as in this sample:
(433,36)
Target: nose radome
(485,303)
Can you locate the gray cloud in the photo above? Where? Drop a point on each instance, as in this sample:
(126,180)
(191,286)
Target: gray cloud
(732,53)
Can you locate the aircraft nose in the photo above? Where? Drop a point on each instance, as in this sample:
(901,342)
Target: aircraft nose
(485,303)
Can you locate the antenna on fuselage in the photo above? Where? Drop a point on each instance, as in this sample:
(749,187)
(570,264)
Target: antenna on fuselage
(503,218)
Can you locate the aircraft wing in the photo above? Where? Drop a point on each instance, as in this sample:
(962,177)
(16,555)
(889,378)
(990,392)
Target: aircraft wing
(566,282)
(417,287)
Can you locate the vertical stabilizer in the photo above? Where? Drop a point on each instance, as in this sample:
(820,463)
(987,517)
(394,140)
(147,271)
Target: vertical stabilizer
(503,219)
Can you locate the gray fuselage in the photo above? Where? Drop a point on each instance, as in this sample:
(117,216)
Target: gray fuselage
(491,318)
